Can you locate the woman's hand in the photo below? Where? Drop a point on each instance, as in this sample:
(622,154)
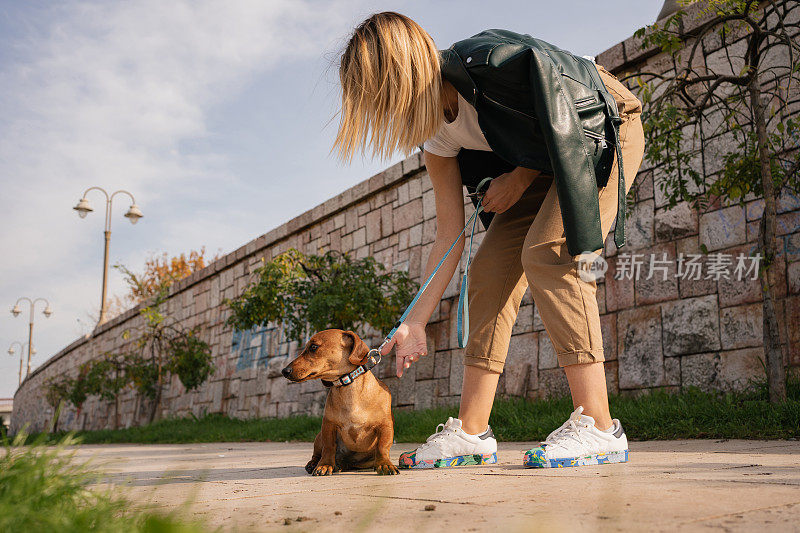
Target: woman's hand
(506,189)
(410,343)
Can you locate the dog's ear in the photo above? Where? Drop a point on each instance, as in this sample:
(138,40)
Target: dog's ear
(358,348)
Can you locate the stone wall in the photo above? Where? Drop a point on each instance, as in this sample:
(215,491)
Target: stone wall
(658,333)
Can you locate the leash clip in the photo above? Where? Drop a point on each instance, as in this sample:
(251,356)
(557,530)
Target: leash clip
(374,356)
(478,192)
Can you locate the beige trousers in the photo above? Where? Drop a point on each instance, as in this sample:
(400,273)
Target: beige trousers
(526,245)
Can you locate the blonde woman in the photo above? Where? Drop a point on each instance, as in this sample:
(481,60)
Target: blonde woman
(550,127)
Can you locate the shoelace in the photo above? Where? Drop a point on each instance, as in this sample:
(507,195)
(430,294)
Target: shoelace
(570,429)
(441,431)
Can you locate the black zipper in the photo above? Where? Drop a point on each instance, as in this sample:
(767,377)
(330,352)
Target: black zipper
(599,140)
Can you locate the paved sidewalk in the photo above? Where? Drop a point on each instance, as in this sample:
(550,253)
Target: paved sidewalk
(666,486)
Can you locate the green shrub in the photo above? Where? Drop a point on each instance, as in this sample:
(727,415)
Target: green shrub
(316,292)
(43,489)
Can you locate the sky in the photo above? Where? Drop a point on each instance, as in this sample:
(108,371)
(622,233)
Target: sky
(218,116)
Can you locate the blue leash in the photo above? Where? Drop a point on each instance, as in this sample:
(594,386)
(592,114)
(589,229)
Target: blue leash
(462,317)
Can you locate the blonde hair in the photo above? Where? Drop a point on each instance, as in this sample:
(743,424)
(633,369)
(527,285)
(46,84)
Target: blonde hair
(391,81)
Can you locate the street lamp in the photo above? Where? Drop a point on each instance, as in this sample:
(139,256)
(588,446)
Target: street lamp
(21,355)
(133,214)
(16,311)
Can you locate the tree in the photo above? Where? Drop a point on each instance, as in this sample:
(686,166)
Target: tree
(160,272)
(746,92)
(318,292)
(57,391)
(107,377)
(163,348)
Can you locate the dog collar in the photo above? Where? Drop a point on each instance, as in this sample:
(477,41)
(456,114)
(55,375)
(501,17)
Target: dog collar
(373,358)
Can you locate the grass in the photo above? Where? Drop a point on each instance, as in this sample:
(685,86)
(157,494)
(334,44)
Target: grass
(42,489)
(687,415)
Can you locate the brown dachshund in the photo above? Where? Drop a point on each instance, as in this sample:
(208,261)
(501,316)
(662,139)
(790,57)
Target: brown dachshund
(357,425)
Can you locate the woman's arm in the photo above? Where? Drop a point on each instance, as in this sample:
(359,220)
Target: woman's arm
(410,341)
(506,189)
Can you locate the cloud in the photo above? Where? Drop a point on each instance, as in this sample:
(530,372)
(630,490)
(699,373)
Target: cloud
(111,94)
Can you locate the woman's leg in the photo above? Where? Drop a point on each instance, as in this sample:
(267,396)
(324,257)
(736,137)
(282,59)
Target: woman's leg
(568,304)
(477,397)
(496,288)
(587,384)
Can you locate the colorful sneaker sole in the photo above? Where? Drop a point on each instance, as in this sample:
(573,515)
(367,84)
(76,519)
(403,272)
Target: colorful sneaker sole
(536,459)
(409,461)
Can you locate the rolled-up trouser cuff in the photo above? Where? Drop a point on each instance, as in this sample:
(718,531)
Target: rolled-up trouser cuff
(492,365)
(580,357)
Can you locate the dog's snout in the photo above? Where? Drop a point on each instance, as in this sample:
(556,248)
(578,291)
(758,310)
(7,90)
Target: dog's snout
(287,372)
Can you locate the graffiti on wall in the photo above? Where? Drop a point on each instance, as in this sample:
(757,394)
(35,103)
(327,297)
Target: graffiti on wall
(254,347)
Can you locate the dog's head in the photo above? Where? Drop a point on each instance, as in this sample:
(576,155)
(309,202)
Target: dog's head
(327,355)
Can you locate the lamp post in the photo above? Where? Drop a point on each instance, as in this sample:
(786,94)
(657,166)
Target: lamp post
(134,214)
(32,303)
(21,355)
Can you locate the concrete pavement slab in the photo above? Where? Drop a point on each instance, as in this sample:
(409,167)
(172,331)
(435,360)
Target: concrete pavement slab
(666,486)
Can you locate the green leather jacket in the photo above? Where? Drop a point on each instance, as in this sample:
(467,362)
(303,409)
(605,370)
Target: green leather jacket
(543,108)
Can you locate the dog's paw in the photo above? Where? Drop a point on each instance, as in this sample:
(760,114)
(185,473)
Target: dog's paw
(311,465)
(387,469)
(323,470)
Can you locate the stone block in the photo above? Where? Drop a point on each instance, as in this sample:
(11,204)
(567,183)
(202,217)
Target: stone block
(734,291)
(428,205)
(608,327)
(639,348)
(428,231)
(601,296)
(690,326)
(441,364)
(792,247)
(672,371)
(793,277)
(639,226)
(788,201)
(792,306)
(741,326)
(547,354)
(408,214)
(524,322)
(415,235)
(722,370)
(619,292)
(426,393)
(456,371)
(520,368)
(552,383)
(723,228)
(359,238)
(754,209)
(415,187)
(657,281)
(787,223)
(387,227)
(689,251)
(425,366)
(680,221)
(611,369)
(644,186)
(612,58)
(406,388)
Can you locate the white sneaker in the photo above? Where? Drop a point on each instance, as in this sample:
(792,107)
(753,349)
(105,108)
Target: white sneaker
(578,442)
(451,446)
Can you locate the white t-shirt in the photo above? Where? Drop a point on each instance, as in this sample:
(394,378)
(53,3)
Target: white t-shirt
(463,132)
